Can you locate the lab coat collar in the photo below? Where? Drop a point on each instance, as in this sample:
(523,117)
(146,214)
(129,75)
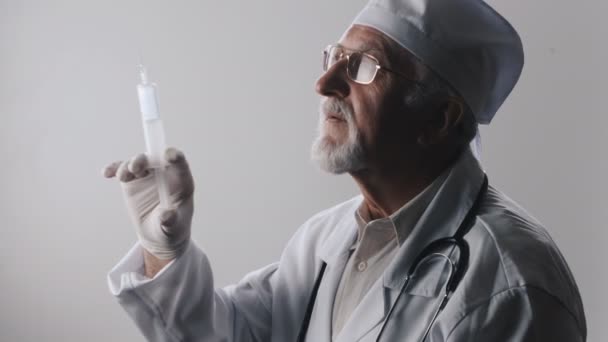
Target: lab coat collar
(405,218)
(343,236)
(441,218)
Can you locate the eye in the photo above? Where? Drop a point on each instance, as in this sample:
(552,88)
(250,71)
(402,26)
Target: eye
(338,56)
(362,68)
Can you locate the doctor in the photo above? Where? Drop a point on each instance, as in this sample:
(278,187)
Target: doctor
(402,94)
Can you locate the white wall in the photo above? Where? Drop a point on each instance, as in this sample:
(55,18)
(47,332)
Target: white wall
(236,87)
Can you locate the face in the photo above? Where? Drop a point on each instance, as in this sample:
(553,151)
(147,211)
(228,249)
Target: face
(360,125)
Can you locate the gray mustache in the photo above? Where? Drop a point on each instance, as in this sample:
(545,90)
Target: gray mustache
(337,107)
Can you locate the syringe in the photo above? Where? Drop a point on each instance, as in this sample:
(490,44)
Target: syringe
(154,134)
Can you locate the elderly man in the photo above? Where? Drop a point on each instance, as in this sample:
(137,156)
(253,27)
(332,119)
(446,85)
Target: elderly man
(427,252)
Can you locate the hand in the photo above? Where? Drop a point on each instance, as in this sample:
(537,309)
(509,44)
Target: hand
(163,232)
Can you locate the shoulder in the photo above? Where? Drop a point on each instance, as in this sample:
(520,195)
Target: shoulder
(523,313)
(325,223)
(512,252)
(301,258)
(325,228)
(525,251)
(336,212)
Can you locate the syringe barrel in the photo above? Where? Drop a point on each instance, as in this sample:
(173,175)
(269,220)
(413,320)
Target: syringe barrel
(154,133)
(148,102)
(155,142)
(153,125)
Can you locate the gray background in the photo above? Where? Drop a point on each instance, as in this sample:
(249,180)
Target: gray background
(236,90)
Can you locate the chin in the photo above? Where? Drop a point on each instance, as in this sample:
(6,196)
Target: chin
(333,136)
(337,158)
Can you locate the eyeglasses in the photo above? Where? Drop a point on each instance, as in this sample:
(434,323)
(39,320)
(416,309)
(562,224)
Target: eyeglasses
(361,67)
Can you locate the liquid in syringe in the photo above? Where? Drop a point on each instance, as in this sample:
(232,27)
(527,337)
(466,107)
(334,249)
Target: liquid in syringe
(154,133)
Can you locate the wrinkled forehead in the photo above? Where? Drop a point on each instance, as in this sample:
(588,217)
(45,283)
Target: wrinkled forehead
(376,43)
(358,37)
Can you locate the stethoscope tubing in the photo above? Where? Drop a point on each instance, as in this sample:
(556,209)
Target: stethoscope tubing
(411,274)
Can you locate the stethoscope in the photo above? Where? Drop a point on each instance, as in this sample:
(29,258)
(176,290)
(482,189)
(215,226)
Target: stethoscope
(457,269)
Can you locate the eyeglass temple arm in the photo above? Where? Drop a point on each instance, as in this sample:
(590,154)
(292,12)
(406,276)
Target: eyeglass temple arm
(380,67)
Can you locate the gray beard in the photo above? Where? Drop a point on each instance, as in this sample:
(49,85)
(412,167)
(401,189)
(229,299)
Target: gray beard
(338,158)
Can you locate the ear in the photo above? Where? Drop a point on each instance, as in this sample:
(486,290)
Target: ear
(445,120)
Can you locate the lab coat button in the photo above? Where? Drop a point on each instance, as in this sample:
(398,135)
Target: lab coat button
(362,266)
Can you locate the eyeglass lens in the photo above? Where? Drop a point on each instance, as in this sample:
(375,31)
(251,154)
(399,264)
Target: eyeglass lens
(360,68)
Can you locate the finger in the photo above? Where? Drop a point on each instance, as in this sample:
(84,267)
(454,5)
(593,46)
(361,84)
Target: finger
(168,221)
(110,170)
(139,165)
(175,156)
(123,173)
(168,217)
(177,159)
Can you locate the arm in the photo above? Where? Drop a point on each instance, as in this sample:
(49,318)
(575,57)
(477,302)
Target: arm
(180,302)
(522,314)
(152,264)
(165,282)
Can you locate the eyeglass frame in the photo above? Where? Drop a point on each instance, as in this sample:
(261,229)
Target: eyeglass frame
(378,65)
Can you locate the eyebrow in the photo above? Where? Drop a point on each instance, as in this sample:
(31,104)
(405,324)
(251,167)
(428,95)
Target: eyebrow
(365,47)
(370,49)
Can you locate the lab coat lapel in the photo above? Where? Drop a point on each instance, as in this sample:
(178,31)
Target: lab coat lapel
(334,253)
(442,217)
(368,314)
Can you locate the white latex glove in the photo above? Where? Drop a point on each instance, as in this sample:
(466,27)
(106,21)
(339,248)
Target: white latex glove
(164,232)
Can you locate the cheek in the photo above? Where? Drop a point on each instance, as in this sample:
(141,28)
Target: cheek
(377,112)
(367,112)
(395,125)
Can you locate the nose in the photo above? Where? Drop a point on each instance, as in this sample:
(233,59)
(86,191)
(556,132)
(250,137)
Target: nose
(334,82)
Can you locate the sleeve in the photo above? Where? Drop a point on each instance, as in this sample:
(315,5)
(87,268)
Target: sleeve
(181,304)
(523,314)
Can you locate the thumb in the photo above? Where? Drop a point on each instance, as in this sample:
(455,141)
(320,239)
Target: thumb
(169,221)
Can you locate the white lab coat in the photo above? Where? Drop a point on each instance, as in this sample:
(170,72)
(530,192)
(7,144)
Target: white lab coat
(517,286)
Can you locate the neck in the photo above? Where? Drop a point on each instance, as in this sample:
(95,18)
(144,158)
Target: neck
(386,188)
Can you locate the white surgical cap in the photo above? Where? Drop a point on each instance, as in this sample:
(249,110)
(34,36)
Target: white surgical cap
(466,42)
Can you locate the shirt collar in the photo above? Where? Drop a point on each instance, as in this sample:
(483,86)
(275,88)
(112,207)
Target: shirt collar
(405,218)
